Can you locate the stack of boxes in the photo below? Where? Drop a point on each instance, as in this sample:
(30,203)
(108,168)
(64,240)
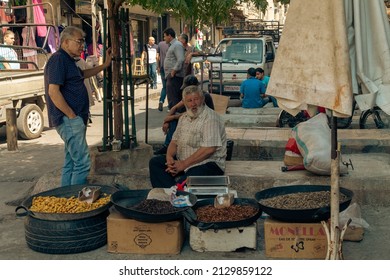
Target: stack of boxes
(126,235)
(285,240)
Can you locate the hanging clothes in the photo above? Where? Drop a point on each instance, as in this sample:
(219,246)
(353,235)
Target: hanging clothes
(4,18)
(39,18)
(53,39)
(28,35)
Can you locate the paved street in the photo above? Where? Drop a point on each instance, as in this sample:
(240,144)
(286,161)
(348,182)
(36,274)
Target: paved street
(20,170)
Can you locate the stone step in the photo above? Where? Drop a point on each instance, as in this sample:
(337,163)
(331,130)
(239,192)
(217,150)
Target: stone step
(262,120)
(369,179)
(254,111)
(232,120)
(269,143)
(268,117)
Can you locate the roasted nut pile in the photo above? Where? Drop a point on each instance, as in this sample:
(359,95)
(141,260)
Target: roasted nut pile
(301,200)
(52,204)
(155,206)
(210,214)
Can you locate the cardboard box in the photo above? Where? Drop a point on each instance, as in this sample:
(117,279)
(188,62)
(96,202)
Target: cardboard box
(221,103)
(126,235)
(294,240)
(223,240)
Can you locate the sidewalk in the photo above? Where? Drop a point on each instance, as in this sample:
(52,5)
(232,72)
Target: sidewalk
(370,180)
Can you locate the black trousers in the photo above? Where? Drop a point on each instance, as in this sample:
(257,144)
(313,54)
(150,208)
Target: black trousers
(162,179)
(174,93)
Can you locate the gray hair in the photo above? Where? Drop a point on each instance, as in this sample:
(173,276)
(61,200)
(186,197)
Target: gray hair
(184,37)
(191,90)
(69,32)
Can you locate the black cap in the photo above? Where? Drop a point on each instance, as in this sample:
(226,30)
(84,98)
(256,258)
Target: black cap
(189,80)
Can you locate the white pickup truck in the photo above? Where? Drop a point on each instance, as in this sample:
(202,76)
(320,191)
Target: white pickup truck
(23,88)
(235,54)
(25,92)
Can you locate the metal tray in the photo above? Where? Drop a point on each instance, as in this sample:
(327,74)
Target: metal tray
(208,181)
(204,190)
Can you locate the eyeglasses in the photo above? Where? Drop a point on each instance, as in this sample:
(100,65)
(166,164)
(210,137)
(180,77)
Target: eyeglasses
(79,41)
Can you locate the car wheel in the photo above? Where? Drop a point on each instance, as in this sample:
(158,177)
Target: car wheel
(30,122)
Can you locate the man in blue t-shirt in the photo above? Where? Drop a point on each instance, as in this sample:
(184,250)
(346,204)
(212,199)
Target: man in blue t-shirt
(68,104)
(260,75)
(252,90)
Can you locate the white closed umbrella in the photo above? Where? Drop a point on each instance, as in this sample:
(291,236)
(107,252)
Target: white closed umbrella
(326,50)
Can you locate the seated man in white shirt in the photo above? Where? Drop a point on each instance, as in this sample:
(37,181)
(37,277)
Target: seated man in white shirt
(198,146)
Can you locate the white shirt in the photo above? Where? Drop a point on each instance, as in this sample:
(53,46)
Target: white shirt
(7,53)
(152,52)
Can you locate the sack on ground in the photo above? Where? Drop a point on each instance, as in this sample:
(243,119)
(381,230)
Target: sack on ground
(292,155)
(313,138)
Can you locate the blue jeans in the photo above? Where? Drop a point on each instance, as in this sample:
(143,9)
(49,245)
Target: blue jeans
(171,130)
(163,93)
(77,161)
(153,73)
(273,100)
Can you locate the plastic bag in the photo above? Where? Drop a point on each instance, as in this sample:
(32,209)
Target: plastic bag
(353,212)
(313,138)
(179,200)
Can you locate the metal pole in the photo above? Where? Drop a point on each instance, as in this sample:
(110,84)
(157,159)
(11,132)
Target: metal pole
(124,73)
(220,78)
(130,77)
(211,78)
(147,95)
(93,9)
(105,120)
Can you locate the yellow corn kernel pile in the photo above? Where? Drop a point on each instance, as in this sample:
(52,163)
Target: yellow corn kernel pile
(52,204)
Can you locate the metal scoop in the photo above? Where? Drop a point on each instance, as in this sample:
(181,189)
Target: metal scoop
(89,194)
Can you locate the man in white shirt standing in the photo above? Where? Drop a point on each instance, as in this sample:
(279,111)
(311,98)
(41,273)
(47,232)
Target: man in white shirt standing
(152,56)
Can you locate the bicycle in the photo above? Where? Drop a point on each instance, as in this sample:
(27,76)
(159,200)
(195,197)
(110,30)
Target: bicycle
(374,118)
(286,119)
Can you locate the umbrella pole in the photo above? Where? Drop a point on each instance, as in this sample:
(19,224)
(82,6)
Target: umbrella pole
(334,234)
(333,249)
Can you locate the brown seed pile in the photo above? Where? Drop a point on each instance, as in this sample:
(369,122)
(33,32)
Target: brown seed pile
(210,214)
(301,200)
(155,206)
(52,204)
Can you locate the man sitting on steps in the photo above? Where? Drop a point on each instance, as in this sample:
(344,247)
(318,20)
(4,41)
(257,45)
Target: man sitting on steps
(170,121)
(198,146)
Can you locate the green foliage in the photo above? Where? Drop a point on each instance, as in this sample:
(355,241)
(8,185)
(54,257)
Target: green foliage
(283,2)
(194,11)
(19,2)
(260,4)
(198,12)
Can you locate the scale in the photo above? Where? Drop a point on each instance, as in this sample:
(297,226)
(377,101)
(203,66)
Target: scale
(208,186)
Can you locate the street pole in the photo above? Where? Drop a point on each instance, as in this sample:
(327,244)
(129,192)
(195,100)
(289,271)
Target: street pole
(93,9)
(11,129)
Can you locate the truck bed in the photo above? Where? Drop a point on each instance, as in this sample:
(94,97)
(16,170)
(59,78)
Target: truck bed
(20,85)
